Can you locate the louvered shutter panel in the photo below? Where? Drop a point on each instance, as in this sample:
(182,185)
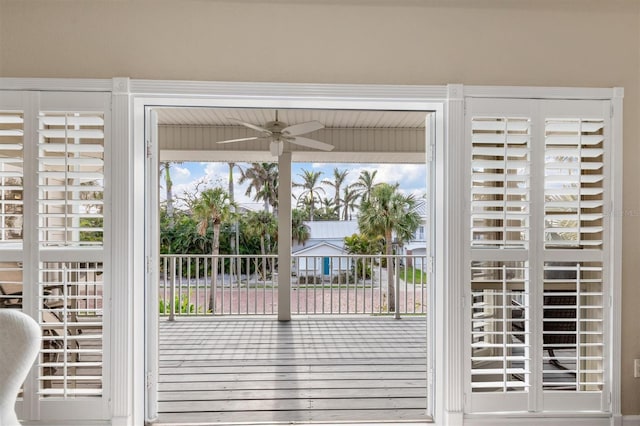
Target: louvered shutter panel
(71,316)
(573,183)
(500,182)
(71,179)
(573,326)
(54,151)
(500,186)
(499,331)
(538,255)
(11,170)
(71,272)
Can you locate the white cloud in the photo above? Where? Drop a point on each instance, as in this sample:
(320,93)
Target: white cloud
(180,172)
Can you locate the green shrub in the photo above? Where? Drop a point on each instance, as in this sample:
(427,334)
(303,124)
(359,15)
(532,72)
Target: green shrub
(182,306)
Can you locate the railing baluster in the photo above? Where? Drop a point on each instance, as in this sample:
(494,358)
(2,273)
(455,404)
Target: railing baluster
(172,307)
(238,288)
(396,287)
(323,302)
(189,304)
(165,263)
(228,285)
(373,283)
(355,285)
(413,269)
(238,260)
(406,291)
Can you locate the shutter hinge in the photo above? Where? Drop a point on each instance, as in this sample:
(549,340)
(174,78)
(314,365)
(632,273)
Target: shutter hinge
(430,265)
(430,153)
(148,264)
(611,110)
(610,399)
(149,380)
(148,149)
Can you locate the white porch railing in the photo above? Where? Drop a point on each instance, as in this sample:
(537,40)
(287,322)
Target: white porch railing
(248,285)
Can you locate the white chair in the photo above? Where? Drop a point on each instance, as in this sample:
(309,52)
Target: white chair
(19,345)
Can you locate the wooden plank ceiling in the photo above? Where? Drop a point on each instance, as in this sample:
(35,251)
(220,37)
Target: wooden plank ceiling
(190,134)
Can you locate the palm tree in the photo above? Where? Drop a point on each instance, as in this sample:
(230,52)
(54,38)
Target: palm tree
(338,179)
(388,212)
(263,180)
(165,168)
(350,197)
(300,232)
(311,189)
(234,240)
(365,184)
(328,210)
(213,207)
(262,224)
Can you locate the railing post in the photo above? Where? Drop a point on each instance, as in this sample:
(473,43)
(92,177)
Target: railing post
(172,292)
(396,291)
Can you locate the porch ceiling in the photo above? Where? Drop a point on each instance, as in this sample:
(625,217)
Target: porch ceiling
(190,134)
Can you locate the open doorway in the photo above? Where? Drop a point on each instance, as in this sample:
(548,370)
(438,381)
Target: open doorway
(314,387)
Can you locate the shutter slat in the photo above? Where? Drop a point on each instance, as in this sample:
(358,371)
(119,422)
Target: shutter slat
(10,146)
(8,118)
(72,120)
(574,126)
(75,148)
(574,139)
(11,132)
(72,134)
(490,138)
(72,175)
(49,161)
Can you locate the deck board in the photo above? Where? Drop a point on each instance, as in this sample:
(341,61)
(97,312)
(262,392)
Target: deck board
(256,370)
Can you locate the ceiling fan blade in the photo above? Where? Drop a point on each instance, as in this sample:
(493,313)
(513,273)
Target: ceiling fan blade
(240,140)
(311,143)
(302,128)
(249,125)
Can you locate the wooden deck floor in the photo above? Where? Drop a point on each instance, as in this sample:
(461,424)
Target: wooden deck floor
(258,370)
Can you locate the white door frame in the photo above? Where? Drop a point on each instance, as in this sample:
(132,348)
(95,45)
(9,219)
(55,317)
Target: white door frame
(249,95)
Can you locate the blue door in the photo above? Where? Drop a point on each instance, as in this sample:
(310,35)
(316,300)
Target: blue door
(325,262)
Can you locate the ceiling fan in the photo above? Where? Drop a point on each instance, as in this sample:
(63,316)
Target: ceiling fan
(278,132)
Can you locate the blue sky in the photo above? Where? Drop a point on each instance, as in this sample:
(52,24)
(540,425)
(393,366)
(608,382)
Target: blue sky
(187,176)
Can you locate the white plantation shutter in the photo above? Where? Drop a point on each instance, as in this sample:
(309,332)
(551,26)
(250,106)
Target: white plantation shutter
(71,216)
(500,182)
(538,255)
(71,178)
(574,183)
(72,275)
(11,173)
(499,332)
(573,331)
(54,261)
(71,359)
